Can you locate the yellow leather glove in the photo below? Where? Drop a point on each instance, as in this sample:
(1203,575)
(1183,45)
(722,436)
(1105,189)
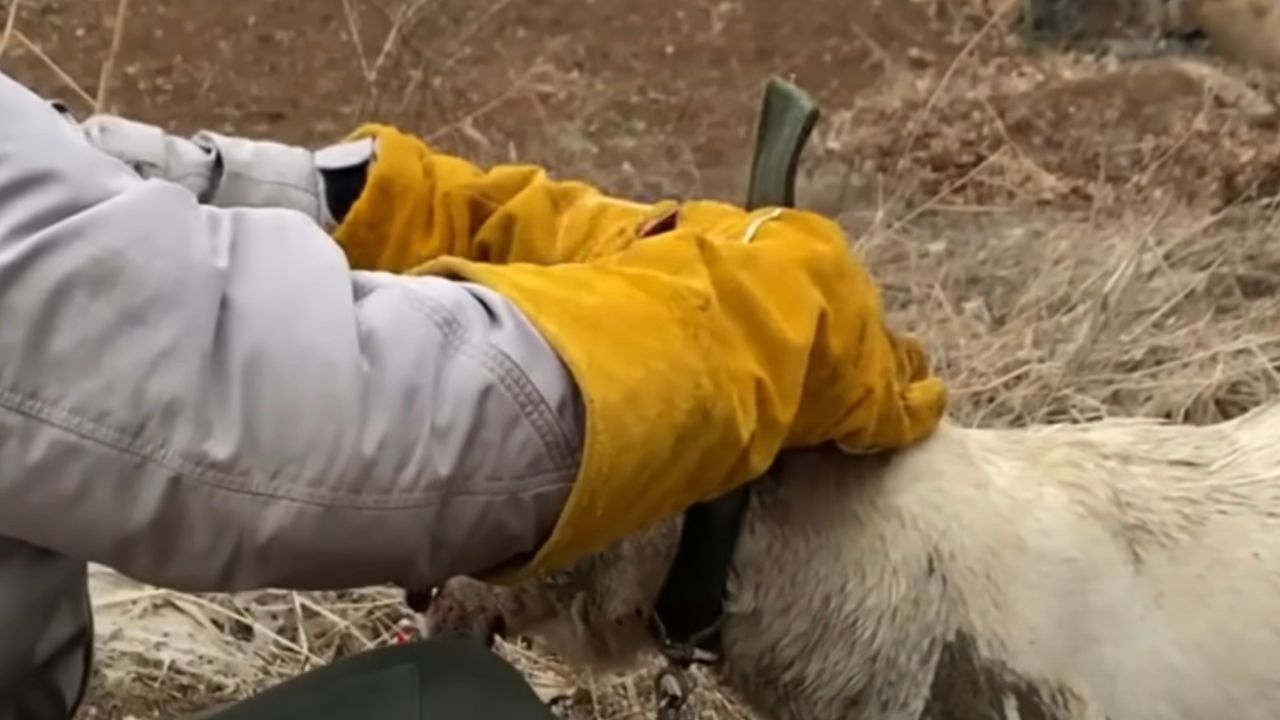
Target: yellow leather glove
(419,204)
(701,351)
(701,356)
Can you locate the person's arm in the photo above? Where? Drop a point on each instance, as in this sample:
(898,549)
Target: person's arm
(209,399)
(391,200)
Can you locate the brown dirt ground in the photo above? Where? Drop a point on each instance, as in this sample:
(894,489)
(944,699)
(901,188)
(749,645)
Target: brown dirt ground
(1062,230)
(659,98)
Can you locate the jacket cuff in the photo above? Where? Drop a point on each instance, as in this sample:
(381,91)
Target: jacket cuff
(259,173)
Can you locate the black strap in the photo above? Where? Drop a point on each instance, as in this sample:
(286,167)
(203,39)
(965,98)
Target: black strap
(691,601)
(692,597)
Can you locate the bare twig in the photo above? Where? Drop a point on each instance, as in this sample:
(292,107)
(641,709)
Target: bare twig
(353,26)
(10,22)
(951,187)
(63,75)
(257,626)
(459,43)
(488,106)
(109,64)
(917,121)
(403,17)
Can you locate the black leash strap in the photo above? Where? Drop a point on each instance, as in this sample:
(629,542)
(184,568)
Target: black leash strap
(691,601)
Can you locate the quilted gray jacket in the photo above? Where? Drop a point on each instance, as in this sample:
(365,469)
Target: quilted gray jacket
(209,399)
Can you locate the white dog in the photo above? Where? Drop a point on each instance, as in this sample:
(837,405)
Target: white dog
(1122,570)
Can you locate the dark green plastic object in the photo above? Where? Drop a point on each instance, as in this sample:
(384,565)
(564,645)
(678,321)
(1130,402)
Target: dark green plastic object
(440,679)
(691,600)
(458,679)
(786,120)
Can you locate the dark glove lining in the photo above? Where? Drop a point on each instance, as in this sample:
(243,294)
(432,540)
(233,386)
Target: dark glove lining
(342,186)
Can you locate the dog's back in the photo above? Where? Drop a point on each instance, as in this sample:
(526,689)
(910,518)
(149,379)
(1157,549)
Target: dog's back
(1123,570)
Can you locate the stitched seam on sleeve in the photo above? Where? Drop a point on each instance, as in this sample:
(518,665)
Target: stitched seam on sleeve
(285,184)
(244,483)
(510,376)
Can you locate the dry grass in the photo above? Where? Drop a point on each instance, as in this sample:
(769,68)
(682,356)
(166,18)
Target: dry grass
(1068,319)
(1034,308)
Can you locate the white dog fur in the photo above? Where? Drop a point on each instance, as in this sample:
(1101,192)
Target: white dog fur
(1123,570)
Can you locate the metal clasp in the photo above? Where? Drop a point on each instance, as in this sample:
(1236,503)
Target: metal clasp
(672,690)
(671,686)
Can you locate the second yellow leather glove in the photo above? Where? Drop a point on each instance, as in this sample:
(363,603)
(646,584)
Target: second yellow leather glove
(419,204)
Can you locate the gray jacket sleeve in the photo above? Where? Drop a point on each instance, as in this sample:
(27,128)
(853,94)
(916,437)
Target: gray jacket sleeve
(209,399)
